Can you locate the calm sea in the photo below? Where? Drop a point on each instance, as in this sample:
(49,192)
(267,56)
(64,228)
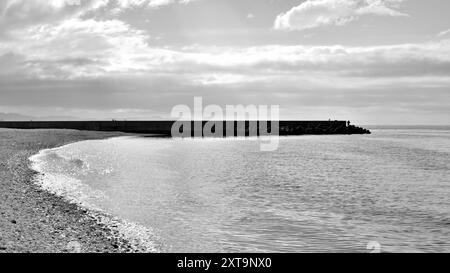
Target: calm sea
(314,194)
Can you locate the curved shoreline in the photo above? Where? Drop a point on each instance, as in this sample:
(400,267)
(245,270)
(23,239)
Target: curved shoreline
(139,238)
(37,221)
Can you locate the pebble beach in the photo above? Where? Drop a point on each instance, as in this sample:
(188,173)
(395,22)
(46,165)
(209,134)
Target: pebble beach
(35,221)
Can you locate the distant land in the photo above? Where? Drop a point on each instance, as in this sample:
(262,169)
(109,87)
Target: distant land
(20,117)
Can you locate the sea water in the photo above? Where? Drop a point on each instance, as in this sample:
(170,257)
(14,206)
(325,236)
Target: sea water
(313,194)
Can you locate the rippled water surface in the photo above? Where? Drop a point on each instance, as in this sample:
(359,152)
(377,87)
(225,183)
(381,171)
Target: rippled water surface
(315,193)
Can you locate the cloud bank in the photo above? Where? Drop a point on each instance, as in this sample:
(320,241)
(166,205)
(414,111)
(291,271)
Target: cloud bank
(88,60)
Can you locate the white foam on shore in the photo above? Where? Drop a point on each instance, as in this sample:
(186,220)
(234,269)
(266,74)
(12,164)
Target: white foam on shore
(76,192)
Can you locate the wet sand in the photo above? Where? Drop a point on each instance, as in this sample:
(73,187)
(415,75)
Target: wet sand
(33,220)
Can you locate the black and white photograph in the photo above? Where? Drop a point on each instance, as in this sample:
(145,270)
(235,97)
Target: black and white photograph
(221,127)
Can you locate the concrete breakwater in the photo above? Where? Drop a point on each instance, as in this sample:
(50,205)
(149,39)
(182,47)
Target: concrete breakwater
(164,128)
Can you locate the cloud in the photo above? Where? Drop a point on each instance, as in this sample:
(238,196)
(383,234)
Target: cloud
(316,13)
(91,49)
(148,3)
(66,39)
(443,33)
(87,60)
(65,42)
(16,14)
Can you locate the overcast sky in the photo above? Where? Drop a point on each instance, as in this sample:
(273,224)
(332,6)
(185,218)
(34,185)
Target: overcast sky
(371,61)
